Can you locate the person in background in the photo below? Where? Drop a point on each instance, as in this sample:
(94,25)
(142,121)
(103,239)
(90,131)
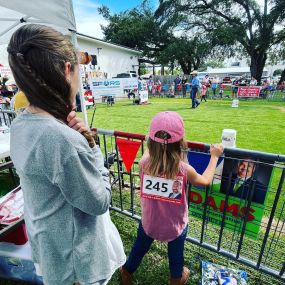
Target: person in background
(166,220)
(206,80)
(253,82)
(221,91)
(140,84)
(66,187)
(235,85)
(194,89)
(158,87)
(204,92)
(214,86)
(150,84)
(281,86)
(183,82)
(177,82)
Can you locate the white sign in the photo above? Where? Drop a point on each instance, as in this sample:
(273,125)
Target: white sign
(106,87)
(229,138)
(143,96)
(113,86)
(130,83)
(167,190)
(5,71)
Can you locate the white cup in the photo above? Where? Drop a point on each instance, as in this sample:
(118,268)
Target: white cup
(235,103)
(229,138)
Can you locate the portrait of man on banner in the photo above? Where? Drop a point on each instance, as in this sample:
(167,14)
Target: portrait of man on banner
(176,190)
(246,179)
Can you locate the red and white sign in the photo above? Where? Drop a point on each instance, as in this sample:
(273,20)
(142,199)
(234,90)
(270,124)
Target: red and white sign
(162,189)
(5,71)
(251,91)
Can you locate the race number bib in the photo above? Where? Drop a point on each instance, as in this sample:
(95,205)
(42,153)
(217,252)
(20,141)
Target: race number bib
(167,190)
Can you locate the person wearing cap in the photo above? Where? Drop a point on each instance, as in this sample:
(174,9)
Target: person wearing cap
(195,86)
(165,217)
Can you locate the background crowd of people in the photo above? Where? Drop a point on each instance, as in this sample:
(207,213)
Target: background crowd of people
(213,87)
(7,90)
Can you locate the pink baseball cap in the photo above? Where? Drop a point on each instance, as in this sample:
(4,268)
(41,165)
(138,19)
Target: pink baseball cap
(170,122)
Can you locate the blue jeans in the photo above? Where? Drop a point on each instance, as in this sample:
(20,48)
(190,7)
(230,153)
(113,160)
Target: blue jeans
(142,246)
(195,102)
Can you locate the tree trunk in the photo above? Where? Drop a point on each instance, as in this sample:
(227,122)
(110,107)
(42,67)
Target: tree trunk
(257,64)
(197,63)
(162,69)
(186,67)
(282,77)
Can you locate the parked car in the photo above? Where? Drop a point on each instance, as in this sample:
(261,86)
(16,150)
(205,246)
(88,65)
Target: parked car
(131,74)
(227,79)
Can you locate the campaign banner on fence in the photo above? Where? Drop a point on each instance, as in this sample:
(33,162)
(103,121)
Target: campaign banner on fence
(239,178)
(248,91)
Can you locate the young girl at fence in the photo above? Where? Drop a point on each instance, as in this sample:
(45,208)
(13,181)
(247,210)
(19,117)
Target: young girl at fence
(66,187)
(165,218)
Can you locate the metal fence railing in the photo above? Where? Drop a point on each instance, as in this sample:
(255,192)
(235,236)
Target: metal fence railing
(221,91)
(6,117)
(247,226)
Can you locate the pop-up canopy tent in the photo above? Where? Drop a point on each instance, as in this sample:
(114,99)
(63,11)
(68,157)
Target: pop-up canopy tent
(58,14)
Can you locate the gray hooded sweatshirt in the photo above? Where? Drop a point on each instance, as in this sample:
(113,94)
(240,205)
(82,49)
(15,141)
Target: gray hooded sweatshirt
(67,195)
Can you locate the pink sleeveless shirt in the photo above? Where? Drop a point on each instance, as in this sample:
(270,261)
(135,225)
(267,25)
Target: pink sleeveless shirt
(162,220)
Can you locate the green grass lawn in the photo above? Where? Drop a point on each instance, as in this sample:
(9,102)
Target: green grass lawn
(260,125)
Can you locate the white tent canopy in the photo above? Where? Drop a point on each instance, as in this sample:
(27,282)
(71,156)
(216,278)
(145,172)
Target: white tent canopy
(55,13)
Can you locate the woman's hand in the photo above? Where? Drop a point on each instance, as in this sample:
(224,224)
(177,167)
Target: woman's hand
(216,150)
(76,123)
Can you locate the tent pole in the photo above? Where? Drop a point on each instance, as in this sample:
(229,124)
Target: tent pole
(24,19)
(82,99)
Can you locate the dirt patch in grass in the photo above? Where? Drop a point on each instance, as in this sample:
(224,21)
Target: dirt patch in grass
(282,109)
(279,227)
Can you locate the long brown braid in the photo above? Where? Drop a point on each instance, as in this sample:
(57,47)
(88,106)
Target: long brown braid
(37,57)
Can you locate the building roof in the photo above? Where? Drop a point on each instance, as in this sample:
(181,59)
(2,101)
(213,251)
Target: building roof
(90,38)
(235,69)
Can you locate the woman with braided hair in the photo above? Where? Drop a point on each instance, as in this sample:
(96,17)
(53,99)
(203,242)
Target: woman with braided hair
(66,187)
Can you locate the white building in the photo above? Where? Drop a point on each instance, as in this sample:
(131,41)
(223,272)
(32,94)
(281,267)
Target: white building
(235,71)
(112,59)
(245,62)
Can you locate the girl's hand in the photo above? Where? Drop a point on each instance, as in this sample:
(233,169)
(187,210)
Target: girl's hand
(216,150)
(76,123)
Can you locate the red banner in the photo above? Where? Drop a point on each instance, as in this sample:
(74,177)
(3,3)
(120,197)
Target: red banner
(251,91)
(128,151)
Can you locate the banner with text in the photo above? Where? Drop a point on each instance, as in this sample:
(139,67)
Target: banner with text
(112,87)
(249,91)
